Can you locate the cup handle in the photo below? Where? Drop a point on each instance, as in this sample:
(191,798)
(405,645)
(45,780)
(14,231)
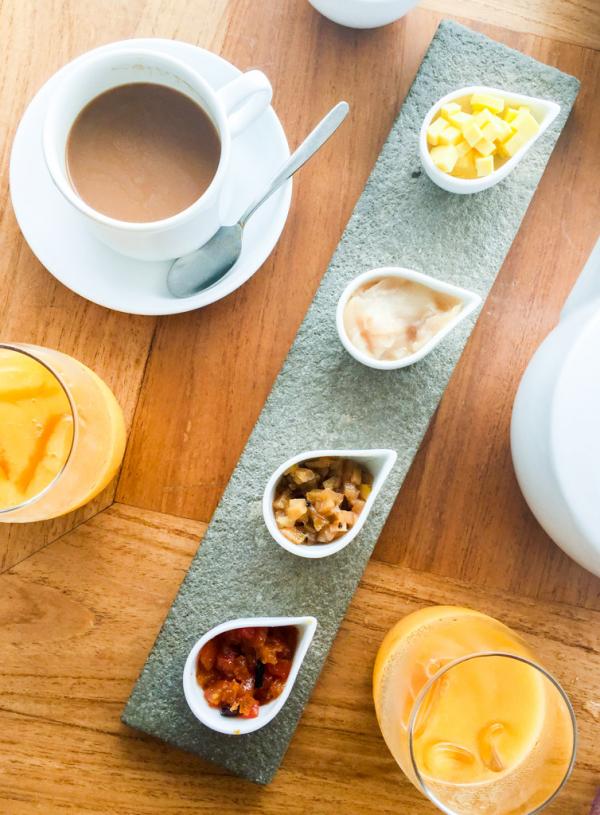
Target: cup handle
(244,99)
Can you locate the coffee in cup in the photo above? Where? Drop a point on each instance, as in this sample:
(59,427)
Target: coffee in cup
(140,146)
(142,152)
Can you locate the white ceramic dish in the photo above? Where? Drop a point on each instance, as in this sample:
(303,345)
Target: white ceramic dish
(378,462)
(554,431)
(363,13)
(543,110)
(469,299)
(231,110)
(74,256)
(234,726)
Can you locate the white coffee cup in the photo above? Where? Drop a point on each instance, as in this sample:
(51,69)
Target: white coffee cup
(231,110)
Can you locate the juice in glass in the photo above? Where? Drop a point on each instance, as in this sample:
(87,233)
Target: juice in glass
(62,434)
(471,718)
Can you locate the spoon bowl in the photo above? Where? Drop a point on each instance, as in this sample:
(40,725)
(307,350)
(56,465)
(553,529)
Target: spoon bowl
(206,265)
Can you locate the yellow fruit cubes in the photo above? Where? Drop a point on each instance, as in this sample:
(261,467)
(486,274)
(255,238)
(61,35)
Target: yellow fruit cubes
(465,166)
(449,109)
(525,123)
(462,148)
(496,129)
(482,117)
(435,130)
(489,131)
(484,166)
(472,133)
(503,129)
(485,147)
(459,119)
(450,135)
(525,127)
(444,157)
(486,100)
(472,137)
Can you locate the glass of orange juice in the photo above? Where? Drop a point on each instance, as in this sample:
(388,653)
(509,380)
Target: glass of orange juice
(62,433)
(469,715)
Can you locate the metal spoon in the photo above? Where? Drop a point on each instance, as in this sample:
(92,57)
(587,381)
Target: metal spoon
(198,270)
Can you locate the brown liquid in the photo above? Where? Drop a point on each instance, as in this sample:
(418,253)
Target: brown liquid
(142,152)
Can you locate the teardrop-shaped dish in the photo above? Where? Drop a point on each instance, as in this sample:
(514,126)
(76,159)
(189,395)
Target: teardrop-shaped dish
(378,462)
(235,726)
(469,299)
(544,111)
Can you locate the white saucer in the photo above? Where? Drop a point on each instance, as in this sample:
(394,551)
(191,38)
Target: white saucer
(60,241)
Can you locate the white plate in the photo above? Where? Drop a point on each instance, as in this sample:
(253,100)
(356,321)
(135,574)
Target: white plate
(61,242)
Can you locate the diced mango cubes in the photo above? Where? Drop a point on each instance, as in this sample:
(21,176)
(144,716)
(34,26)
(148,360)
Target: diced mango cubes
(484,165)
(434,130)
(525,127)
(444,157)
(485,147)
(489,131)
(449,109)
(460,119)
(470,138)
(487,100)
(451,135)
(482,117)
(503,129)
(462,148)
(472,133)
(465,166)
(525,123)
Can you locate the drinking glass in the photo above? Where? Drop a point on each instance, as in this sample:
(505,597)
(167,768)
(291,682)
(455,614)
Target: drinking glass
(472,718)
(62,433)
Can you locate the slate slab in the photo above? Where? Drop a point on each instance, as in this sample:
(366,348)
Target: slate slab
(323,398)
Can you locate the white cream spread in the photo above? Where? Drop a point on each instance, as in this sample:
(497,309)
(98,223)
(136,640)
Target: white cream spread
(392,318)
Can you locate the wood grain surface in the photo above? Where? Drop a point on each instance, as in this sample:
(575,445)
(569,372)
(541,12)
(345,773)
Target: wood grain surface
(75,630)
(80,609)
(563,20)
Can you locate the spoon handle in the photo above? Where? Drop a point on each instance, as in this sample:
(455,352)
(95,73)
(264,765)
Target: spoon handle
(316,139)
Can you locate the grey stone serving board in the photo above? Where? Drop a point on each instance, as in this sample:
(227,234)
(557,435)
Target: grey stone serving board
(323,398)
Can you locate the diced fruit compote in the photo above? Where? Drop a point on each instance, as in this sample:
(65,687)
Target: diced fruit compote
(244,668)
(317,501)
(472,137)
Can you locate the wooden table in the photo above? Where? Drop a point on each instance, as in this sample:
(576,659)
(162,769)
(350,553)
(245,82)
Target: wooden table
(82,598)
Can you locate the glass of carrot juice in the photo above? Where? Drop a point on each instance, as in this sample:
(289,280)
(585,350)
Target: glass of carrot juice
(62,434)
(470,716)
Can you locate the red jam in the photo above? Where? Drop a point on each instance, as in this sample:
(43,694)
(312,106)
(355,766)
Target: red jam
(244,668)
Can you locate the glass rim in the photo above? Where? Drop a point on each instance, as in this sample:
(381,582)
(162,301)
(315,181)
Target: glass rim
(482,655)
(25,349)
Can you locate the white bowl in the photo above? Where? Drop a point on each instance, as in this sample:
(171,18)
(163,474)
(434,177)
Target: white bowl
(543,110)
(378,462)
(236,726)
(470,301)
(363,13)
